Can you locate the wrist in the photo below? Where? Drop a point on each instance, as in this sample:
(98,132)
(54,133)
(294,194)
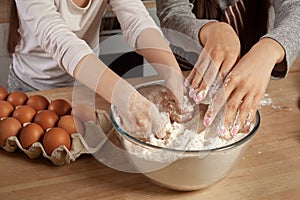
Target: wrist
(271,45)
(204,31)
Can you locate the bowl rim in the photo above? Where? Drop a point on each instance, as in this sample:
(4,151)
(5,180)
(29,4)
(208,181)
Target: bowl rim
(223,148)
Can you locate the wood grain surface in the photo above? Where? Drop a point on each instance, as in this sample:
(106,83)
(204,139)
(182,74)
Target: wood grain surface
(269,169)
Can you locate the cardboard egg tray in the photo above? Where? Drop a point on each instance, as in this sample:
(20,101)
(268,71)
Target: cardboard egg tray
(96,132)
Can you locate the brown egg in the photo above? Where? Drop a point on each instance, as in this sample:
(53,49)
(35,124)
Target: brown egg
(24,114)
(30,134)
(60,106)
(3,93)
(84,112)
(70,124)
(17,98)
(46,119)
(54,138)
(6,109)
(9,127)
(38,102)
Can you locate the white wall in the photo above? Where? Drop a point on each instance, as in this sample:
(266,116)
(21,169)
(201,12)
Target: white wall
(4,58)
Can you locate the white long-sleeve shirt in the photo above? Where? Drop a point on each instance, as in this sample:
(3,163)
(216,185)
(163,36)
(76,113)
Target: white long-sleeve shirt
(57,34)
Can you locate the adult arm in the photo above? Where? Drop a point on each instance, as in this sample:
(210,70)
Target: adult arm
(177,15)
(286,32)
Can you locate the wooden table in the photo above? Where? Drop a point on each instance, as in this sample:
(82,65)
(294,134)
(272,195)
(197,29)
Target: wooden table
(269,169)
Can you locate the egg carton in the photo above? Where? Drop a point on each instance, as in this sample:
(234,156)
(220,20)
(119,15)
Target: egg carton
(96,132)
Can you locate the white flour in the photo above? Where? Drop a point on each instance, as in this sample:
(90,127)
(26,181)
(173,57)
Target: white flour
(266,100)
(178,138)
(184,139)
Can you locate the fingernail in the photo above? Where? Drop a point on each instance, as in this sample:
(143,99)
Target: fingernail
(207,121)
(197,98)
(201,95)
(234,130)
(222,131)
(192,93)
(247,126)
(186,83)
(161,134)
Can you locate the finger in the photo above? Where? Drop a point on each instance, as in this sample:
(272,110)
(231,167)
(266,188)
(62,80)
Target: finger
(184,107)
(142,120)
(226,67)
(232,110)
(201,66)
(208,80)
(209,93)
(255,105)
(211,72)
(246,112)
(178,112)
(189,78)
(214,78)
(158,122)
(175,87)
(218,101)
(199,70)
(224,72)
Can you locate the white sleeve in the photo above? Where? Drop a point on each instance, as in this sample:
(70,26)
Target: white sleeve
(52,33)
(134,19)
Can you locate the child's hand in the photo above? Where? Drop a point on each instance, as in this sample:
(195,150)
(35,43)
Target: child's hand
(138,116)
(176,101)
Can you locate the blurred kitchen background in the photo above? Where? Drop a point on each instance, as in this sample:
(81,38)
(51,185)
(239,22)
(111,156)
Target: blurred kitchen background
(4,58)
(115,52)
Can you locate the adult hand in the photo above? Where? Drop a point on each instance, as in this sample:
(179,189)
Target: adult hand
(244,87)
(221,52)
